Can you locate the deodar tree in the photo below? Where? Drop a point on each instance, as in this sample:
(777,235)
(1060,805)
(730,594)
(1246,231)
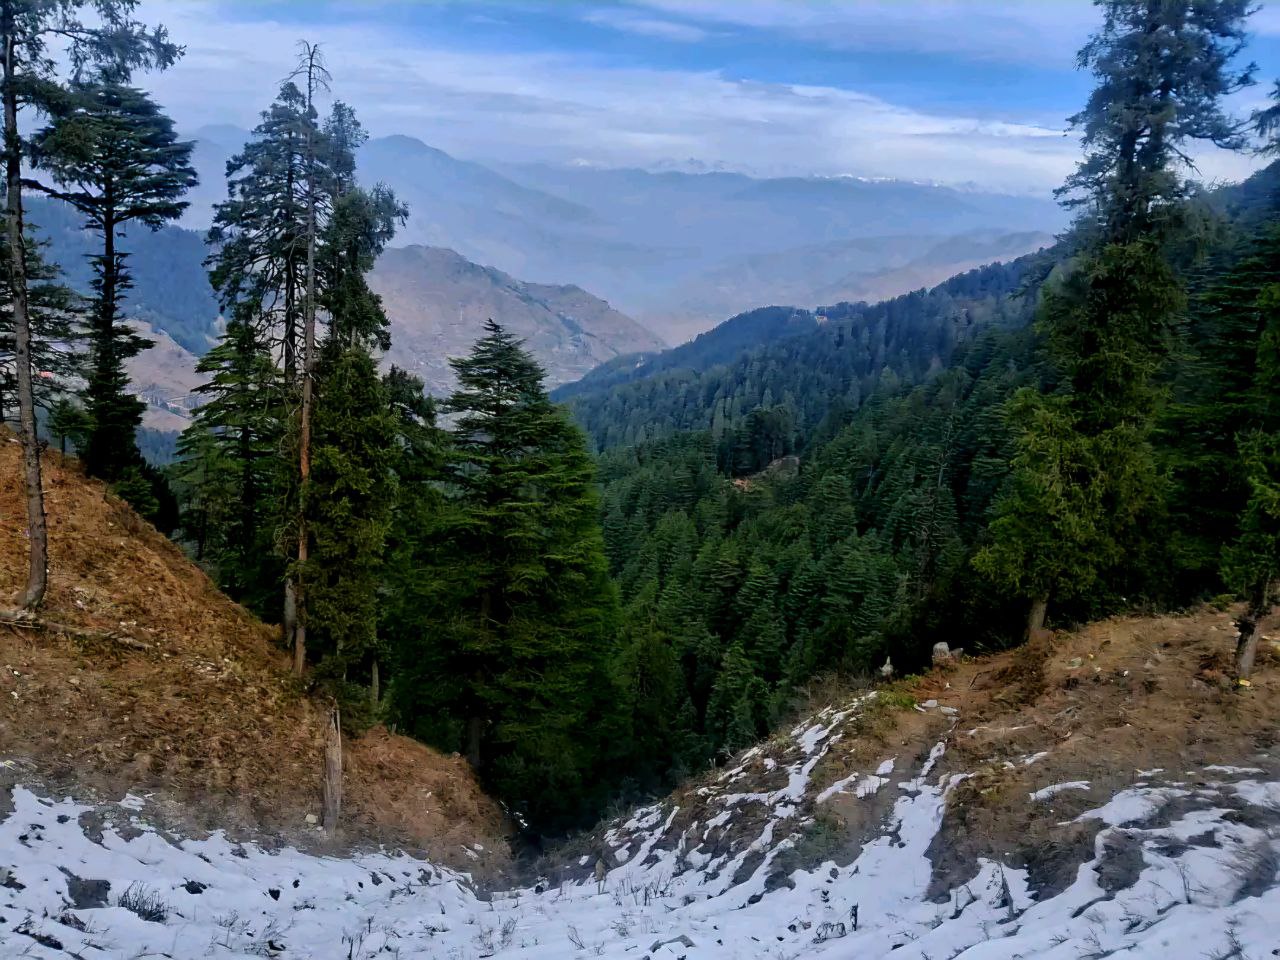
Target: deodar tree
(507,647)
(115,158)
(1087,483)
(109,48)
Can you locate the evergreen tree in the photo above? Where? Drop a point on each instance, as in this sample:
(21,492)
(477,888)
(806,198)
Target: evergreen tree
(68,421)
(55,317)
(348,503)
(518,612)
(258,257)
(229,468)
(108,48)
(1252,562)
(116,159)
(1162,70)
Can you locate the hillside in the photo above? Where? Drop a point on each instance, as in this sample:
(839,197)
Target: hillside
(844,271)
(1103,792)
(807,364)
(438,302)
(188,702)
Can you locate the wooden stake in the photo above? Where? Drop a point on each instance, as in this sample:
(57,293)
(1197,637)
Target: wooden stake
(332,772)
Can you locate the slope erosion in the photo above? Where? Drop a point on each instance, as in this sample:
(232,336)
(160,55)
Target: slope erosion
(184,696)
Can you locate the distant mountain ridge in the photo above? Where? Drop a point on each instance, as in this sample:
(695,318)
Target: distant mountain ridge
(438,301)
(656,245)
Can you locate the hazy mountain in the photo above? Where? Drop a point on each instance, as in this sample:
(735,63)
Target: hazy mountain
(165,377)
(438,302)
(721,344)
(871,269)
(663,246)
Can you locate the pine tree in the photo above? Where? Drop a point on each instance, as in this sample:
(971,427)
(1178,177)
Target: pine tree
(116,159)
(1252,562)
(229,468)
(258,257)
(348,503)
(1162,69)
(109,48)
(517,609)
(68,421)
(1091,475)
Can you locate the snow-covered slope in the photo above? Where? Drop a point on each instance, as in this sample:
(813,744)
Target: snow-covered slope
(1183,867)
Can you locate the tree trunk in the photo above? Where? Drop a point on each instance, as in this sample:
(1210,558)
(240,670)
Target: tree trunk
(101,453)
(475,730)
(1257,607)
(375,684)
(37,531)
(333,771)
(1036,616)
(308,376)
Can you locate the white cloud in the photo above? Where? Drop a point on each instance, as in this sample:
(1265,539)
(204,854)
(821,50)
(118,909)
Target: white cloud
(631,22)
(558,107)
(1017,31)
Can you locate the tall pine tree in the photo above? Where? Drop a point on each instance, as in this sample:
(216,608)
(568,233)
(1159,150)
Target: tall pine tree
(109,47)
(115,158)
(515,631)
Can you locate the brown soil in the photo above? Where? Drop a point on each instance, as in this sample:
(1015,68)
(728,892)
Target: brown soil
(1122,701)
(201,711)
(1119,702)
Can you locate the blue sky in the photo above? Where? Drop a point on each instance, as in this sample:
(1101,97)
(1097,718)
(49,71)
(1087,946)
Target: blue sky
(957,91)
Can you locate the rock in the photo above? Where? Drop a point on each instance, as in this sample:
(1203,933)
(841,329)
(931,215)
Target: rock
(949,711)
(941,654)
(930,704)
(312,819)
(194,887)
(1074,662)
(830,931)
(86,894)
(682,939)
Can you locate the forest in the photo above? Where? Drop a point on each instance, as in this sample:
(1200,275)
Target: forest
(593,599)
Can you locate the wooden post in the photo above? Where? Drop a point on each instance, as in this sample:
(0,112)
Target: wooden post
(332,772)
(1257,606)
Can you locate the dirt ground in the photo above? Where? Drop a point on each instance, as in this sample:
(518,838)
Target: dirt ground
(196,708)
(1124,701)
(1119,702)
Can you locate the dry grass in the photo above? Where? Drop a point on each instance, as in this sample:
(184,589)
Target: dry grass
(207,715)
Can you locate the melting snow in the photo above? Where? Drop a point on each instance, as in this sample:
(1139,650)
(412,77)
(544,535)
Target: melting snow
(675,894)
(1044,793)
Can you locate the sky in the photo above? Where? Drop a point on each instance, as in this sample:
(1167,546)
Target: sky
(964,92)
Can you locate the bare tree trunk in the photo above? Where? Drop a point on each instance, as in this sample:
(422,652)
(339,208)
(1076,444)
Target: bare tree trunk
(308,370)
(375,683)
(1036,616)
(333,771)
(1257,607)
(37,531)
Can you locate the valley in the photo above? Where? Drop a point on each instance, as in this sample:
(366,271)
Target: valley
(1102,786)
(644,480)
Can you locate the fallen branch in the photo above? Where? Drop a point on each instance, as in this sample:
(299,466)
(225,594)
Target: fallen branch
(25,620)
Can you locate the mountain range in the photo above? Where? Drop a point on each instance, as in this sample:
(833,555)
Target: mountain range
(677,251)
(665,255)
